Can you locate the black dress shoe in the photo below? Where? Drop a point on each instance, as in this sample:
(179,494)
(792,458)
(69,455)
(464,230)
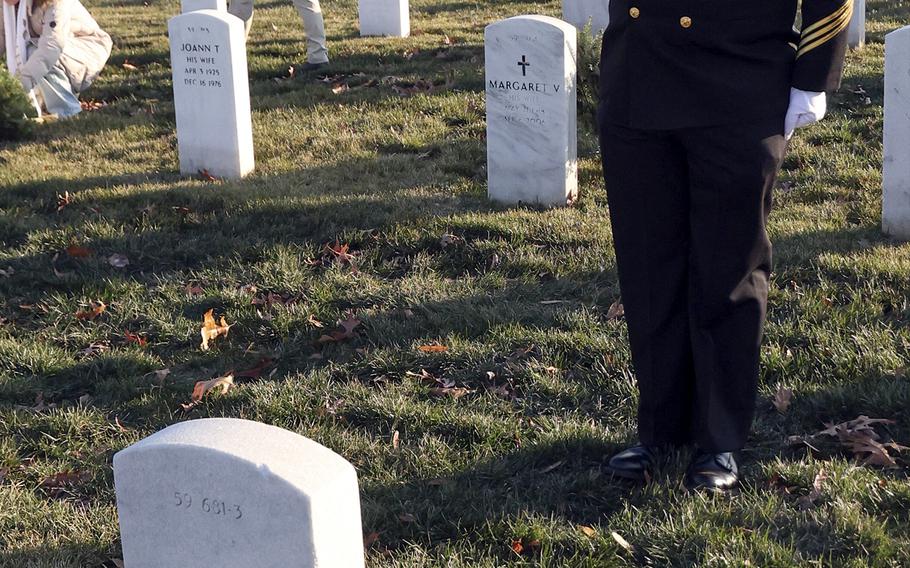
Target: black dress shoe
(308,67)
(636,463)
(712,472)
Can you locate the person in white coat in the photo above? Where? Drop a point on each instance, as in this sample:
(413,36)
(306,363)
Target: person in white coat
(66,50)
(313,25)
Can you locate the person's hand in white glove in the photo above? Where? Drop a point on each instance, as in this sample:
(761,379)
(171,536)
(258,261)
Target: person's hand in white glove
(806,107)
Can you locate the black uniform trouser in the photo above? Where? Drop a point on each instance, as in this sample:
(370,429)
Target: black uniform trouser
(689,210)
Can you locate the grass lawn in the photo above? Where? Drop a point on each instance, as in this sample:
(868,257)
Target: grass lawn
(520,297)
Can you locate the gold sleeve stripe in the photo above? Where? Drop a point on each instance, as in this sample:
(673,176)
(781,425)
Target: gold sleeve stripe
(804,49)
(839,21)
(848,5)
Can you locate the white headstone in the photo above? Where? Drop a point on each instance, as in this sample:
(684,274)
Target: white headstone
(580,12)
(385,18)
(211,93)
(196,5)
(856,31)
(230,493)
(531,110)
(896,178)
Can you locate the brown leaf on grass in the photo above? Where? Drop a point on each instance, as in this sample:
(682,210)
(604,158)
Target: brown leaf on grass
(340,253)
(782,399)
(193,290)
(63,200)
(160,375)
(204,387)
(135,338)
(77,251)
(859,437)
(92,105)
(451,392)
(129,66)
(517,546)
(370,539)
(92,313)
(211,330)
(433,348)
(449,240)
(256,371)
(622,542)
(94,348)
(808,501)
(589,532)
(63,481)
(340,87)
(346,332)
(314,322)
(617,310)
(204,175)
(39,405)
(396,440)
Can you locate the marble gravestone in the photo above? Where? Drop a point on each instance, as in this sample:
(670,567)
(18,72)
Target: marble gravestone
(856,30)
(231,493)
(196,5)
(580,12)
(211,92)
(896,175)
(531,110)
(390,18)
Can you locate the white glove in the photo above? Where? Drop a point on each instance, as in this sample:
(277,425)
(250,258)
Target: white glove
(806,107)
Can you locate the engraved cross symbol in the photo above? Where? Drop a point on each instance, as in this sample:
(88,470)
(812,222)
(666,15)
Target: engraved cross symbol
(524,65)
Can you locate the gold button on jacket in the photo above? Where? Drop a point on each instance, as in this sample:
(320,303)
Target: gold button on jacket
(634,12)
(685,22)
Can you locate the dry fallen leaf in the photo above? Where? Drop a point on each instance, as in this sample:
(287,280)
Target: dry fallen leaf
(256,371)
(621,541)
(77,251)
(204,175)
(347,330)
(204,387)
(808,501)
(211,330)
(63,200)
(517,546)
(453,392)
(370,539)
(782,399)
(589,532)
(433,348)
(135,338)
(129,66)
(396,439)
(617,310)
(95,310)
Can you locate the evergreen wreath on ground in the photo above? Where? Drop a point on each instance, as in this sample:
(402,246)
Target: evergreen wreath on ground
(15,109)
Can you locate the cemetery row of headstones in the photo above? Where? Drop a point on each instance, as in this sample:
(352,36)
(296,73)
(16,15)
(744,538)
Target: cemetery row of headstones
(530,81)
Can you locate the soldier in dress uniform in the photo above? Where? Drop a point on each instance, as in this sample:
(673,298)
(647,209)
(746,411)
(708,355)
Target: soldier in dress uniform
(313,26)
(698,100)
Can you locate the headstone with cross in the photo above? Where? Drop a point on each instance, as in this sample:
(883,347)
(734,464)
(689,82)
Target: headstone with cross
(531,110)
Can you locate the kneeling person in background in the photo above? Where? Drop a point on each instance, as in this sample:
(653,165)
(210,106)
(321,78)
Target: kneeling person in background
(65,52)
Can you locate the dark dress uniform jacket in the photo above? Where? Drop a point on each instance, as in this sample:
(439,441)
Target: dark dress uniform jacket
(669,64)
